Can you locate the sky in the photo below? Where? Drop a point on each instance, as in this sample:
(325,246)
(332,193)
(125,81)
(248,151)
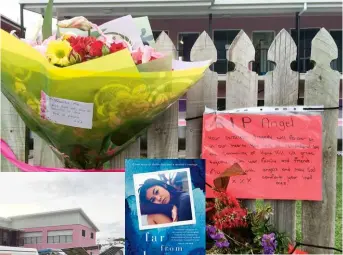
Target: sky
(11,9)
(100,195)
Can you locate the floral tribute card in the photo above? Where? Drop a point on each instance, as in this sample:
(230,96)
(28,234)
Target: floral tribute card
(165,206)
(280,154)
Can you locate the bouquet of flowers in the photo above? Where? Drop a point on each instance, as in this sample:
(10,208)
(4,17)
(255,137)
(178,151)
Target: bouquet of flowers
(89,91)
(233,229)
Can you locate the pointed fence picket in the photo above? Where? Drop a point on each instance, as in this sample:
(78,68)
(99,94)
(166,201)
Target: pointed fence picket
(202,94)
(321,88)
(281,89)
(241,84)
(162,137)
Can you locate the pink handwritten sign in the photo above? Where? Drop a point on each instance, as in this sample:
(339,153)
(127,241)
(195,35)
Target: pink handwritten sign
(281,155)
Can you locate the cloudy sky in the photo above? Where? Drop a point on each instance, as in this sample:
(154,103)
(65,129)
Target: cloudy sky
(11,9)
(100,195)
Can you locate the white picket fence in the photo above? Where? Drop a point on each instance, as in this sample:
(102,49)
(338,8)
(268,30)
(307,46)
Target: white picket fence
(281,89)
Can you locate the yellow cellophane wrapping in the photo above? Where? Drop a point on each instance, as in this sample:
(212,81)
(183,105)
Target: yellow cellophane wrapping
(125,100)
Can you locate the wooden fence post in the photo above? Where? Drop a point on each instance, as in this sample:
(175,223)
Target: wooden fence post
(281,89)
(13,133)
(43,155)
(132,151)
(241,84)
(322,88)
(202,94)
(162,137)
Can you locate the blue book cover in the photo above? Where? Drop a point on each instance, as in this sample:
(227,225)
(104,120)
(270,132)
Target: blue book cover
(165,207)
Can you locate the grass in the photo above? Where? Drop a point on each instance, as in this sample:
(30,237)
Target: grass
(338,233)
(338,223)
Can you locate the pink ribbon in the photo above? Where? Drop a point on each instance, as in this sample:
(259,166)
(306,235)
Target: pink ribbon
(10,156)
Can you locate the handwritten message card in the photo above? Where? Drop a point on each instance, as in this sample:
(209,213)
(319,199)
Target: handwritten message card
(281,155)
(67,112)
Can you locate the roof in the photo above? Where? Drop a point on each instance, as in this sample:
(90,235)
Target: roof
(80,250)
(5,219)
(77,210)
(112,251)
(10,22)
(5,223)
(100,8)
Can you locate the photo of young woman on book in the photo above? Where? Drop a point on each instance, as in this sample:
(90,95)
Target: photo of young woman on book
(165,199)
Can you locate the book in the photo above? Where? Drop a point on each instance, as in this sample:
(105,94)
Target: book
(165,206)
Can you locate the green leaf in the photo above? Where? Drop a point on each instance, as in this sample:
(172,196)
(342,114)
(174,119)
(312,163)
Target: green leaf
(47,23)
(105,50)
(96,33)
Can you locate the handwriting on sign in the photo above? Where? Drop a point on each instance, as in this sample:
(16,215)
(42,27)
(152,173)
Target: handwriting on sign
(69,112)
(280,154)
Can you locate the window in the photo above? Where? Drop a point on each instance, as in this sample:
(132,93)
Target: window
(63,239)
(60,236)
(262,41)
(222,40)
(337,36)
(60,239)
(92,235)
(27,240)
(56,239)
(32,240)
(306,37)
(69,239)
(50,239)
(31,237)
(84,233)
(156,33)
(185,44)
(221,104)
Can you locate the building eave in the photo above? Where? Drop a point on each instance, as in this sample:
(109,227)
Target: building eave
(89,220)
(10,22)
(91,8)
(78,210)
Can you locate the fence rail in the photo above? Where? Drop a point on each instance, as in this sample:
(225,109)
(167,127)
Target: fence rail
(261,65)
(281,88)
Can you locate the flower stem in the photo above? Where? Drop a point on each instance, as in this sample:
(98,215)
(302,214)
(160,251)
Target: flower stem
(234,239)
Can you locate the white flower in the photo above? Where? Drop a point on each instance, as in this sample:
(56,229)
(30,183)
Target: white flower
(79,22)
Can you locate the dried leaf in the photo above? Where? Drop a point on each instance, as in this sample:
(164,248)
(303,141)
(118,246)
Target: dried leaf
(222,181)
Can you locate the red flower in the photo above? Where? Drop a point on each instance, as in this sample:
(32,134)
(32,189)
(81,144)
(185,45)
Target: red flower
(230,218)
(297,251)
(81,45)
(80,50)
(117,47)
(84,42)
(96,49)
(227,199)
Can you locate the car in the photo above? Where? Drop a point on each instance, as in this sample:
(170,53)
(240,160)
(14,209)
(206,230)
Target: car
(8,250)
(51,252)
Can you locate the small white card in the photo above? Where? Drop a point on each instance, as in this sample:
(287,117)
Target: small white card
(67,112)
(123,28)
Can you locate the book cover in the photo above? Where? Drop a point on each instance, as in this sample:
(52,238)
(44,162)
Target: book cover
(165,206)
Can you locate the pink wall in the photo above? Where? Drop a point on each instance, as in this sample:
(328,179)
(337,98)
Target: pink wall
(78,239)
(248,24)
